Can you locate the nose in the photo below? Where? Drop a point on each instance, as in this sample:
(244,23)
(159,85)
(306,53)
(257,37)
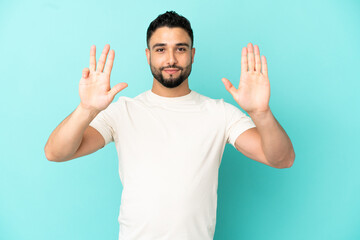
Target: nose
(172,58)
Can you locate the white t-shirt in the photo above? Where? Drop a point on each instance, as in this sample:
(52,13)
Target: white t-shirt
(169,152)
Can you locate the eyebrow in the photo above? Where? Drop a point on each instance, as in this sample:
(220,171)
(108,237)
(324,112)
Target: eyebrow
(164,44)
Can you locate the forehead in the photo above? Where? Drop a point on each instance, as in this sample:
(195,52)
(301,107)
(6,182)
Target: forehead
(170,36)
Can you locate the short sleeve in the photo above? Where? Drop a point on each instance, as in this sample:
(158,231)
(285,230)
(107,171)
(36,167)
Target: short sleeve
(104,123)
(237,122)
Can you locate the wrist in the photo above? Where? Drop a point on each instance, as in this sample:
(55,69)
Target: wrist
(263,120)
(260,114)
(89,111)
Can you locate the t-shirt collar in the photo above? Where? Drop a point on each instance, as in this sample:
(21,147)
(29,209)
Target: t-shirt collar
(188,97)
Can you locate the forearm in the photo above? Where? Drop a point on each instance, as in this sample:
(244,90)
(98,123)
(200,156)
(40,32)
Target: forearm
(276,144)
(67,136)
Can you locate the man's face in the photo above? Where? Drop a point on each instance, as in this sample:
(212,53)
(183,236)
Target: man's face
(170,56)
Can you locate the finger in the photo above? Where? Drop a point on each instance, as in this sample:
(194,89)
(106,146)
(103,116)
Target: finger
(257,59)
(109,62)
(229,87)
(85,72)
(244,60)
(102,59)
(251,57)
(264,66)
(92,65)
(117,88)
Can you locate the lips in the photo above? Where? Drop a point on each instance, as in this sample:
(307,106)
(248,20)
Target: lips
(171,70)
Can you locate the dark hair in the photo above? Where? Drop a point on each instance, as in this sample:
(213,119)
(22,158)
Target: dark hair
(169,19)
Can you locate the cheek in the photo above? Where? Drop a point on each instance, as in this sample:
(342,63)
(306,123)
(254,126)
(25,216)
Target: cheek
(155,61)
(188,60)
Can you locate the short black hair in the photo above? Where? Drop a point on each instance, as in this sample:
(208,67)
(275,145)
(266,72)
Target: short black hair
(169,19)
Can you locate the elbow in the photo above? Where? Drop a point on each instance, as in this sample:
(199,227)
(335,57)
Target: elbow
(289,165)
(292,157)
(47,154)
(287,162)
(50,156)
(290,160)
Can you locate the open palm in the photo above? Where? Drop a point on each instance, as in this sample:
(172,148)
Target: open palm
(253,93)
(94,87)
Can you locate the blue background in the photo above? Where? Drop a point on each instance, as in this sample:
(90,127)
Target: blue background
(312,49)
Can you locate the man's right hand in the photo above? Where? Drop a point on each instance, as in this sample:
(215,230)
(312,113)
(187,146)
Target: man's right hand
(94,87)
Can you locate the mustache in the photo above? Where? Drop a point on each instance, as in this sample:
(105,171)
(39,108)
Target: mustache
(172,66)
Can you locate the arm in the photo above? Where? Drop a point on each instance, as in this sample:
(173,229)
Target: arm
(74,137)
(268,142)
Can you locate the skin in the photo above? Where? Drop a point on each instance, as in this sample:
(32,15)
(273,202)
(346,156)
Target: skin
(170,74)
(267,143)
(73,137)
(168,47)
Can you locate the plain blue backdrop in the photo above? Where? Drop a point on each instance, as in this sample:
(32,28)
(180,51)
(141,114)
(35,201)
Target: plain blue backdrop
(312,49)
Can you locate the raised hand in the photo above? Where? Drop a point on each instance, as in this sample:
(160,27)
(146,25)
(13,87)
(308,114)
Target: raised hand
(253,94)
(94,87)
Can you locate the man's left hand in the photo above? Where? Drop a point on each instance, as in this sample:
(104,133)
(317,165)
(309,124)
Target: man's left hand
(253,94)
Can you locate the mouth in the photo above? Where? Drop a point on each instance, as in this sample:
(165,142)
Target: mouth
(171,71)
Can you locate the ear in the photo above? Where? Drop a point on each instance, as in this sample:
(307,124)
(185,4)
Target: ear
(147,51)
(193,54)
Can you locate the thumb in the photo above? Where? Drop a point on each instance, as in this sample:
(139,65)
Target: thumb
(117,88)
(229,87)
(85,72)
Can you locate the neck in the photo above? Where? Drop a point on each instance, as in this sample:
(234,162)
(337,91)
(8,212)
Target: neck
(179,91)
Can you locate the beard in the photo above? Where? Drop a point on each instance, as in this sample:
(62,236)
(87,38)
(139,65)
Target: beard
(171,82)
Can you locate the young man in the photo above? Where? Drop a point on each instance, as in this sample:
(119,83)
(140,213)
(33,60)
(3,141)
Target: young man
(170,139)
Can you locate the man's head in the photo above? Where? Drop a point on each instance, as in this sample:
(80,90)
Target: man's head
(170,53)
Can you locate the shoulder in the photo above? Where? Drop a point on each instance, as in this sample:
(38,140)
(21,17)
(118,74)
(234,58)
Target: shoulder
(123,100)
(219,103)
(117,105)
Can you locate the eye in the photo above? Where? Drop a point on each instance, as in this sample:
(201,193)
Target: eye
(159,50)
(182,49)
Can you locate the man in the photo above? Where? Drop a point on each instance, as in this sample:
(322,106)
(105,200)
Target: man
(170,139)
